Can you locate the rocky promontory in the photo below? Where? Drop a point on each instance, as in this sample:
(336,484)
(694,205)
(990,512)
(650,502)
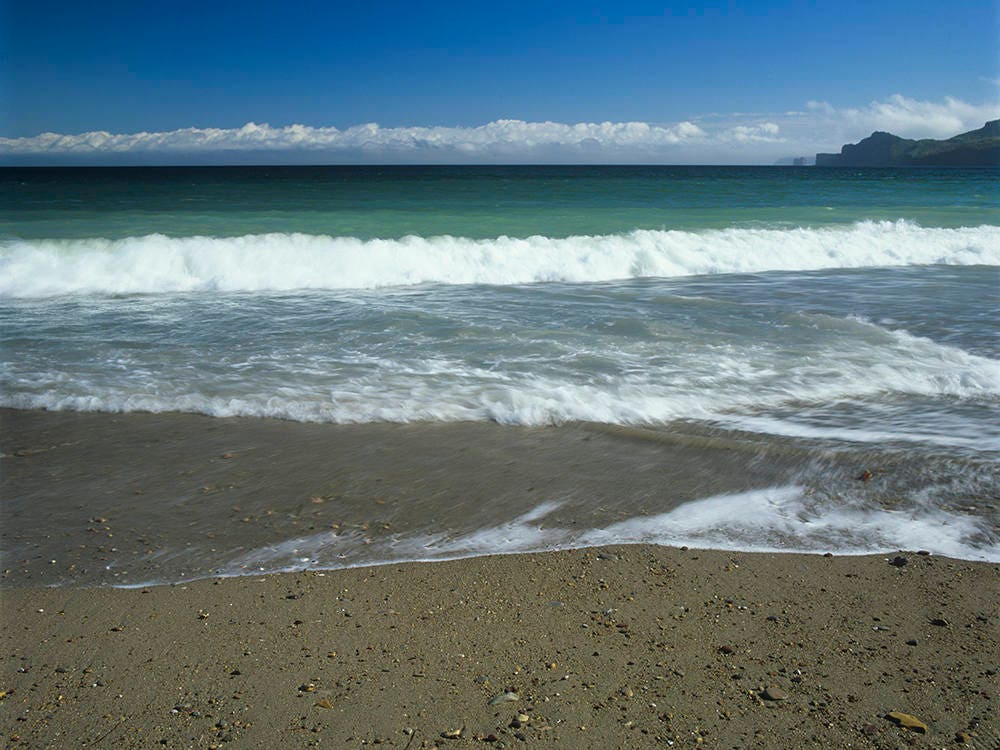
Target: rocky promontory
(977,148)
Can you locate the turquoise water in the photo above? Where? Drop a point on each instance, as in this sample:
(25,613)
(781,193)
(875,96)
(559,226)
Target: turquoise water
(479,202)
(852,312)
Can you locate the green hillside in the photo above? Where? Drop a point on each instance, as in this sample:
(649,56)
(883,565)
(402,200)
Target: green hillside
(977,148)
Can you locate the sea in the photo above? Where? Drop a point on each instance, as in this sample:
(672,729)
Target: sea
(845,312)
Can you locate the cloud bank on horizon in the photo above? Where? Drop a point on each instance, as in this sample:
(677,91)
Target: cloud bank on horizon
(744,138)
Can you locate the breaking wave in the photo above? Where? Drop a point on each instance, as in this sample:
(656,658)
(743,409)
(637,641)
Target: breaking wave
(157,264)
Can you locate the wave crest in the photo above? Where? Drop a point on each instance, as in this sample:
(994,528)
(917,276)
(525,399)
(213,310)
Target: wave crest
(157,264)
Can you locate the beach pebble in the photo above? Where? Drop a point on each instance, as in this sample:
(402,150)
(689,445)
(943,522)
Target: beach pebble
(773,693)
(907,721)
(507,697)
(453,734)
(898,561)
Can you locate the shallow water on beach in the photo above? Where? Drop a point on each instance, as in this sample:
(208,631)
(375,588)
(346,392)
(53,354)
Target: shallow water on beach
(847,317)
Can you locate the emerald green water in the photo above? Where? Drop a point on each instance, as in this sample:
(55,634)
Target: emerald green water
(479,202)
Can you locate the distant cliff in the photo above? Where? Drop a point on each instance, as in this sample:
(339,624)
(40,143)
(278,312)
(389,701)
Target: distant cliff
(977,148)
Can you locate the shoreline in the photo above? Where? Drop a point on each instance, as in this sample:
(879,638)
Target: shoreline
(136,497)
(629,646)
(139,497)
(623,646)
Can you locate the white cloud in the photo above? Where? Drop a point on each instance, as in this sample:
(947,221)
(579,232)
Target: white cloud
(500,136)
(910,118)
(765,132)
(741,138)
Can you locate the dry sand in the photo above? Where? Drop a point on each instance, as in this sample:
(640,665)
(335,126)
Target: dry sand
(625,647)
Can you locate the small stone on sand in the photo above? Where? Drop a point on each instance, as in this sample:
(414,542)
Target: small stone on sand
(907,721)
(504,698)
(773,693)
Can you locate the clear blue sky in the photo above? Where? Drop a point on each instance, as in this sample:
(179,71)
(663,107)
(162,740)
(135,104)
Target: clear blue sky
(146,65)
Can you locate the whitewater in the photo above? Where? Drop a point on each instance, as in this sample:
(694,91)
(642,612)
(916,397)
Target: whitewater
(155,264)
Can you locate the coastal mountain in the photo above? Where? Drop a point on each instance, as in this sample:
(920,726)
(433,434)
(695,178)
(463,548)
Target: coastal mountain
(977,148)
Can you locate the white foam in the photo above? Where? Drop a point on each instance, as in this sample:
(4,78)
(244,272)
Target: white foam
(775,519)
(740,386)
(796,428)
(787,519)
(157,264)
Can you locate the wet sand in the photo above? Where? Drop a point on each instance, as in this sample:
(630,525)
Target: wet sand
(92,498)
(625,647)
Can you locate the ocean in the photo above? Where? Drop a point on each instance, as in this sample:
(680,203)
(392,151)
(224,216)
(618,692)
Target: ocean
(843,323)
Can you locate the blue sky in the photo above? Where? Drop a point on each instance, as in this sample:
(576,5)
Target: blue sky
(158,67)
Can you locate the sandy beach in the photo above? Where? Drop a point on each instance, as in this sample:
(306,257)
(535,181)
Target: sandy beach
(601,647)
(617,647)
(613,376)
